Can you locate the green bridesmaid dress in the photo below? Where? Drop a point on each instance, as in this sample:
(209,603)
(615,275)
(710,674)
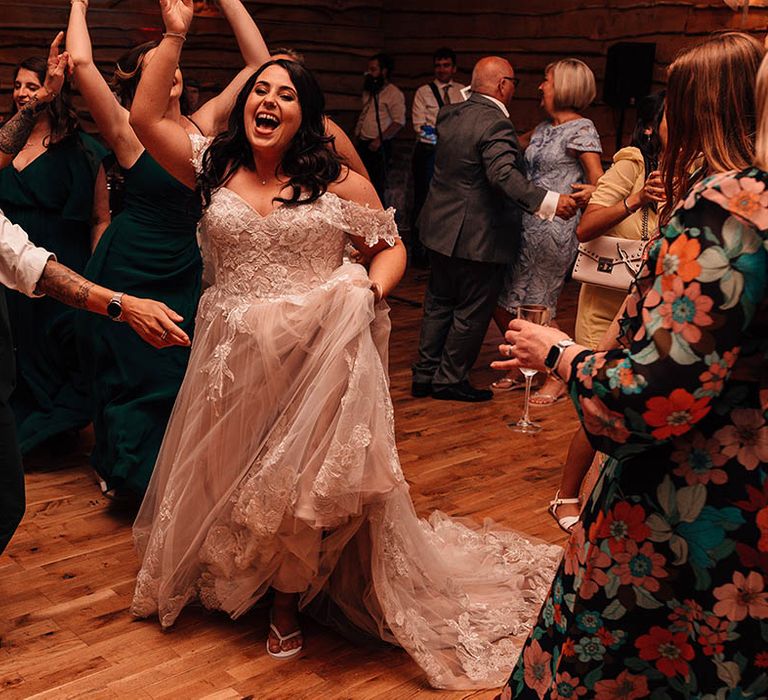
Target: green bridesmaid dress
(52,200)
(149,250)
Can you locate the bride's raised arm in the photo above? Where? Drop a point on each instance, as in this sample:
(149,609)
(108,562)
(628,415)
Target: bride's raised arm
(368,223)
(162,134)
(110,116)
(213,115)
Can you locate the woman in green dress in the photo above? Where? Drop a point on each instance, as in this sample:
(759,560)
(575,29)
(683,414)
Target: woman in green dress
(150,249)
(55,189)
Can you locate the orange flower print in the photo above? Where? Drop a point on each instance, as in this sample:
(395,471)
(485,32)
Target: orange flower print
(745,197)
(684,615)
(640,566)
(567,687)
(762,525)
(538,668)
(594,574)
(599,420)
(743,598)
(624,523)
(574,554)
(669,652)
(746,438)
(699,459)
(713,378)
(625,686)
(678,260)
(675,414)
(761,660)
(684,310)
(713,635)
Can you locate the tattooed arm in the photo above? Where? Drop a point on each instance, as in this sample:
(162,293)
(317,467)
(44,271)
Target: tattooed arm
(152,320)
(15,132)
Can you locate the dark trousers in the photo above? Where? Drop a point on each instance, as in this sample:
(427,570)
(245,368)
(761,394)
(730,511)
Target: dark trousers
(376,163)
(423,167)
(11,473)
(458,306)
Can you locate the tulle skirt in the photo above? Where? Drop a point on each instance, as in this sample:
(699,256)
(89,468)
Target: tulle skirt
(279,469)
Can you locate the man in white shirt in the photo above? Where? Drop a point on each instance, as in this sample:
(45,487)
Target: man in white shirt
(35,272)
(427,102)
(382,116)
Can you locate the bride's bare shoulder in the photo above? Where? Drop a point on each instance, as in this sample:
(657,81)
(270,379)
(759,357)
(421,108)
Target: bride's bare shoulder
(355,188)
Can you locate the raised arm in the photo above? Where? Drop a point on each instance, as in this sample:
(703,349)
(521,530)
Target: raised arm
(15,132)
(163,136)
(110,116)
(213,115)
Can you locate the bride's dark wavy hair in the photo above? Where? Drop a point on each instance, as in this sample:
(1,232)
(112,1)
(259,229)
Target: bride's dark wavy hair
(308,162)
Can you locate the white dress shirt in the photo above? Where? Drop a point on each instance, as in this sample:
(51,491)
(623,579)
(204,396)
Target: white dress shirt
(425,106)
(391,111)
(21,262)
(548,207)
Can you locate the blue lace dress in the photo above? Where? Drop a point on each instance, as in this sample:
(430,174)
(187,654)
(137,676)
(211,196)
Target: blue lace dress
(549,247)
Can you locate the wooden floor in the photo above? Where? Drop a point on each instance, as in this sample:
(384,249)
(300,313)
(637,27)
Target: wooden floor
(67,578)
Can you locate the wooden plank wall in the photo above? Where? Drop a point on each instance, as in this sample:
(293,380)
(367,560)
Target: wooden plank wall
(337,36)
(532,33)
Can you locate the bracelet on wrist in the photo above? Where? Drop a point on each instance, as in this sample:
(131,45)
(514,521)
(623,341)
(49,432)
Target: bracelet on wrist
(175,35)
(627,207)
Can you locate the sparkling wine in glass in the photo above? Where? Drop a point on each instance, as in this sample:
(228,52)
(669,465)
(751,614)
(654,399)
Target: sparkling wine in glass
(535,313)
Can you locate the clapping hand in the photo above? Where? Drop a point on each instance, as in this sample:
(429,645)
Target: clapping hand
(582,193)
(177,15)
(56,72)
(653,190)
(566,206)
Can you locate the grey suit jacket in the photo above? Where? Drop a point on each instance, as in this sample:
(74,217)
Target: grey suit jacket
(474,206)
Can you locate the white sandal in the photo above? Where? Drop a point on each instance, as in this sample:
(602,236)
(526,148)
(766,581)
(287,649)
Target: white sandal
(283,638)
(567,522)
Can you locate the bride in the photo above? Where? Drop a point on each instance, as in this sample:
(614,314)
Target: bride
(279,468)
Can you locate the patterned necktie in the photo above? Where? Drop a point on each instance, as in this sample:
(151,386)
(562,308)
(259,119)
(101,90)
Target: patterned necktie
(447,94)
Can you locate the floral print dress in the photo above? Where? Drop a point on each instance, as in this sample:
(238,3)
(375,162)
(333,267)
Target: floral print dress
(663,588)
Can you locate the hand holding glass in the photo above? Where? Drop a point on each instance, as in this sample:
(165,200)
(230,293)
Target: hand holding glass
(535,313)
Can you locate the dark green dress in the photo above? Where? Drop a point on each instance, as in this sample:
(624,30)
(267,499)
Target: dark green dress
(52,200)
(150,250)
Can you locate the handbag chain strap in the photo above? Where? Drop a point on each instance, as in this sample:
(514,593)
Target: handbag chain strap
(645,223)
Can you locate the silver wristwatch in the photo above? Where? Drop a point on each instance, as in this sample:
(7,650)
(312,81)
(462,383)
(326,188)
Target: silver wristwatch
(552,359)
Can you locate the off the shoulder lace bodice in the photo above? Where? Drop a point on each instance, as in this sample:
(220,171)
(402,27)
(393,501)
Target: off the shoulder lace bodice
(288,251)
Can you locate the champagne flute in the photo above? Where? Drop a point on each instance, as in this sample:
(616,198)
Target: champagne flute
(535,313)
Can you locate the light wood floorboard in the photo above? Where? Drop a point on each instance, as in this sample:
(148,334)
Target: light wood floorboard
(67,578)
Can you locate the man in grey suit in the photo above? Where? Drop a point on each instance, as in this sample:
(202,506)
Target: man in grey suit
(470,225)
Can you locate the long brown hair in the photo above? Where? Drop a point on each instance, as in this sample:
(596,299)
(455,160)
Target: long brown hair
(710,111)
(64,121)
(127,73)
(761,99)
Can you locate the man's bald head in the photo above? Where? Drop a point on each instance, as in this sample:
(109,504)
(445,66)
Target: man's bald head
(492,76)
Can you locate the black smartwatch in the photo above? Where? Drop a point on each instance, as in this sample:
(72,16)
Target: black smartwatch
(552,360)
(115,307)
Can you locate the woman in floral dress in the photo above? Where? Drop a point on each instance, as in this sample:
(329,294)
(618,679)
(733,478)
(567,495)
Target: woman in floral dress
(663,589)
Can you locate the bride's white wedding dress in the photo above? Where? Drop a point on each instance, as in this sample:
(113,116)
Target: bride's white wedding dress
(279,466)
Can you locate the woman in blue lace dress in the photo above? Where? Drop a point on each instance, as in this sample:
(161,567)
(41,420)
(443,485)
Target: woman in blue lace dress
(662,592)
(563,155)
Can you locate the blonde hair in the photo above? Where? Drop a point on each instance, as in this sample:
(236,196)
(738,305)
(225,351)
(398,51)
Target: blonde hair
(574,84)
(710,110)
(761,102)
